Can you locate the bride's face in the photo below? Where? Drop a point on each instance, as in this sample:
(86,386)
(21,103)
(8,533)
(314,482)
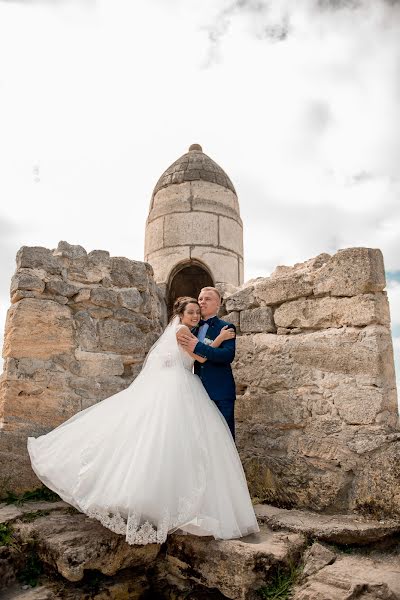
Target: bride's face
(191,315)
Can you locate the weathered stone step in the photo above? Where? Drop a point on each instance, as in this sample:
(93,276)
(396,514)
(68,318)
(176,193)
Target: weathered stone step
(11,512)
(338,529)
(73,543)
(349,577)
(237,568)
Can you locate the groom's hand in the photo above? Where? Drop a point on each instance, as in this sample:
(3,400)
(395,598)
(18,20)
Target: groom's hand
(188,341)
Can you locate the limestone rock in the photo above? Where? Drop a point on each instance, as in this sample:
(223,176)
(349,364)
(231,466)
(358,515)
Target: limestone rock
(257,320)
(10,512)
(38,328)
(235,567)
(243,299)
(338,529)
(72,543)
(69,250)
(61,288)
(77,332)
(130,298)
(320,313)
(351,578)
(316,558)
(350,272)
(310,408)
(232,317)
(128,273)
(98,364)
(103,297)
(36,257)
(26,280)
(270,291)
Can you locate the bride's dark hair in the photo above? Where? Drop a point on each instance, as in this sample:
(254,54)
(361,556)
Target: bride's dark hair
(181,303)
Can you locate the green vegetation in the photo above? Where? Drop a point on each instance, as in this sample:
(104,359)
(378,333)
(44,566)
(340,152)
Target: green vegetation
(281,585)
(32,568)
(31,516)
(6,535)
(42,493)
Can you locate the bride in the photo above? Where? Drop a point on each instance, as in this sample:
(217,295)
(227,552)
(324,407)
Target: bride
(155,458)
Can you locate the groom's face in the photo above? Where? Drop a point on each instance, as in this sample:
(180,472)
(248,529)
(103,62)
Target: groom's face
(209,303)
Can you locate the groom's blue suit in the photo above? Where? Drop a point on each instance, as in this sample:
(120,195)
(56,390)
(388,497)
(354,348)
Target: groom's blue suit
(216,373)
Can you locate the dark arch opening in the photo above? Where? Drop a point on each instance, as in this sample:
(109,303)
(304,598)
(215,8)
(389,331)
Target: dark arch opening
(187,281)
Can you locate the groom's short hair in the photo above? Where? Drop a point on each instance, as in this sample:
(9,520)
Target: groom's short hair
(211,289)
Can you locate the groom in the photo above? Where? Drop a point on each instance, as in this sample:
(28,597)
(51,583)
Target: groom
(215,373)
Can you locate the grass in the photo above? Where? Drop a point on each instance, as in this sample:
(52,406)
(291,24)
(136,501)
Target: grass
(280,587)
(32,568)
(6,535)
(31,516)
(38,494)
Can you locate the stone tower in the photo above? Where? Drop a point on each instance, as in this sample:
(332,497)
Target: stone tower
(194,233)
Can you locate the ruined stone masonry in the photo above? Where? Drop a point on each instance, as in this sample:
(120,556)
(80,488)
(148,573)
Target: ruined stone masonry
(78,329)
(317,414)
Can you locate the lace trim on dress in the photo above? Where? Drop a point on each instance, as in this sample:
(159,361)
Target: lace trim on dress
(144,533)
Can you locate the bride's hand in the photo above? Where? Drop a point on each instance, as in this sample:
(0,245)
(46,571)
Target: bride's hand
(226,334)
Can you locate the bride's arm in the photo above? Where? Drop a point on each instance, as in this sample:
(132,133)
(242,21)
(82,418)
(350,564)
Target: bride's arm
(185,329)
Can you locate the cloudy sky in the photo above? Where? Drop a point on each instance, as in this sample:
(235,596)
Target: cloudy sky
(298,100)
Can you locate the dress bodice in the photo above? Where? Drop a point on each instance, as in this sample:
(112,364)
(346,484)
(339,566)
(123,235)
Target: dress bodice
(186,359)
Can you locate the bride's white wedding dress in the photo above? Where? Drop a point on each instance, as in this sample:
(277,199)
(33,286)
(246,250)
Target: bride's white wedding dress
(152,459)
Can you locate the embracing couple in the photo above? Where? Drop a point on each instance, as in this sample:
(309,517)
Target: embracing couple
(159,456)
(214,340)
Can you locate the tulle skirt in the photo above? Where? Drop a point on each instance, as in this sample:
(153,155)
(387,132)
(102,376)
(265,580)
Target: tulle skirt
(154,458)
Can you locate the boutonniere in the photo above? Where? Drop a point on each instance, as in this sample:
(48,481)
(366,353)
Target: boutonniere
(207,341)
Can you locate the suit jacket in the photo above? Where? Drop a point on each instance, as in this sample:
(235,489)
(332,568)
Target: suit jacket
(216,373)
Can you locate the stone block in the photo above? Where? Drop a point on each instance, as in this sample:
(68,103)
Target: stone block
(120,337)
(38,329)
(335,529)
(96,364)
(154,236)
(257,320)
(320,313)
(191,228)
(212,563)
(70,251)
(130,298)
(36,257)
(72,543)
(163,261)
(350,272)
(202,190)
(25,280)
(232,317)
(223,264)
(104,297)
(354,576)
(100,258)
(231,235)
(171,199)
(61,288)
(130,273)
(241,300)
(270,291)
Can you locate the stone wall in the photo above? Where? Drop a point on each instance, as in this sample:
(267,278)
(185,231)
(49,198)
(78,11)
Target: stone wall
(317,415)
(77,331)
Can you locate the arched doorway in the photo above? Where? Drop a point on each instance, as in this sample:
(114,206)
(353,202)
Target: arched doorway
(187,280)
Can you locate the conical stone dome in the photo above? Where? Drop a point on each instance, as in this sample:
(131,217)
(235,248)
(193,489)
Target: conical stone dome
(194,233)
(192,166)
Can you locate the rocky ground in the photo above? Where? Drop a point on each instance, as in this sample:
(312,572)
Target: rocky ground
(48,550)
